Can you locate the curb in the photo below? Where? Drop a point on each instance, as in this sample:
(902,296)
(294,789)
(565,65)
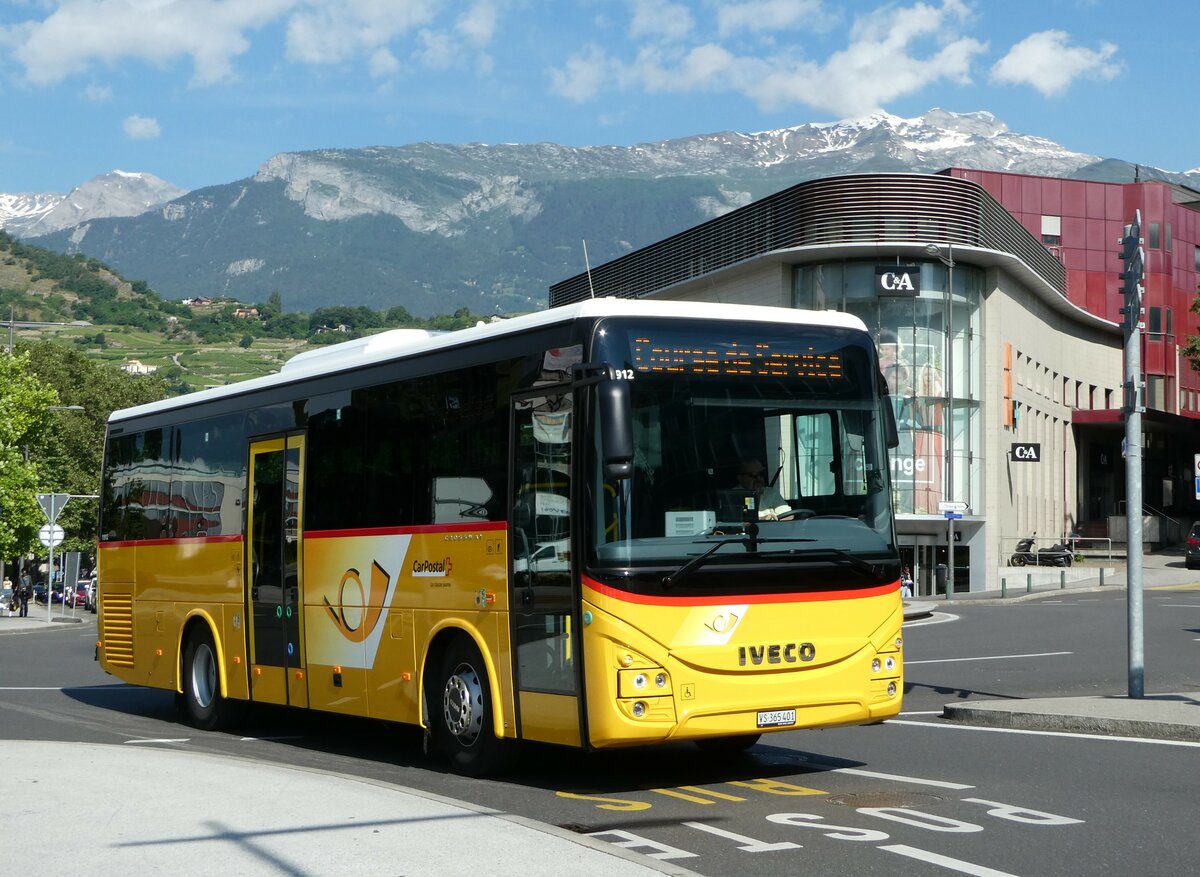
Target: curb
(1018,719)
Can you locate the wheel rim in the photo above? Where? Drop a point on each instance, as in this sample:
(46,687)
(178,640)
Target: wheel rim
(204,675)
(462,704)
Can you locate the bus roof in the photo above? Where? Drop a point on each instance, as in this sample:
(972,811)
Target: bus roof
(403,343)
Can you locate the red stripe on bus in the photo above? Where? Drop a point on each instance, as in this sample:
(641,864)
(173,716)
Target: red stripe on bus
(183,540)
(726,599)
(483,526)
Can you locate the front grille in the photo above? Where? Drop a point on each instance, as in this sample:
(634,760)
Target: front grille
(116,619)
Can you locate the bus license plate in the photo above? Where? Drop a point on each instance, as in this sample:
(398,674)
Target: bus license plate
(776,718)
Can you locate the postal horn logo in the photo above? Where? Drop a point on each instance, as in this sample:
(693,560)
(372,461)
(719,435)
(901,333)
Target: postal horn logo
(357,618)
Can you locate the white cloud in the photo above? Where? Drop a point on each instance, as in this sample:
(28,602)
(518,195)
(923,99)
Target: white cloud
(383,64)
(141,128)
(884,60)
(770,16)
(81,33)
(584,75)
(892,52)
(660,20)
(1046,62)
(333,31)
(75,36)
(98,93)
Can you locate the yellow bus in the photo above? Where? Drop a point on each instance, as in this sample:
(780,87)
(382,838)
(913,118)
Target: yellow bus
(614,523)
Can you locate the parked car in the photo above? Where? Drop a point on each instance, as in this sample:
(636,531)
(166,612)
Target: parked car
(1191,557)
(78,596)
(39,592)
(90,603)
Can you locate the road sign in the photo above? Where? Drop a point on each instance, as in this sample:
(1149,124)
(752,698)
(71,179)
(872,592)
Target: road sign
(948,506)
(953,516)
(52,504)
(51,535)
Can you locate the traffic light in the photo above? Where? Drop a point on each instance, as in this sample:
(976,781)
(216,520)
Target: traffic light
(1132,272)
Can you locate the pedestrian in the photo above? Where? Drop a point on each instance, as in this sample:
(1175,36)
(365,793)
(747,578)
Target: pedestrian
(12,594)
(26,587)
(906,583)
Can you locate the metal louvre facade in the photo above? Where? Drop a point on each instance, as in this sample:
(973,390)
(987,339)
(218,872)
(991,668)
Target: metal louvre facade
(860,208)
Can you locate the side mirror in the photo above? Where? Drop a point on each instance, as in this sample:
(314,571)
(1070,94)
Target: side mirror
(616,429)
(891,435)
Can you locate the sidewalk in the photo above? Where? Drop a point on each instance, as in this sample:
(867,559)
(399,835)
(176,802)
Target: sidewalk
(118,809)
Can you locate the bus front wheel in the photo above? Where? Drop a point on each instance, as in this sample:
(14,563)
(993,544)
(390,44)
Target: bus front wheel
(202,701)
(461,714)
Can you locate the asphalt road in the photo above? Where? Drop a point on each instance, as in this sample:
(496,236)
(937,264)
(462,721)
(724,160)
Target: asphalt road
(915,796)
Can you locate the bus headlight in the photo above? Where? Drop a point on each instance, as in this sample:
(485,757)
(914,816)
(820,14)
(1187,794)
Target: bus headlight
(639,709)
(875,665)
(639,683)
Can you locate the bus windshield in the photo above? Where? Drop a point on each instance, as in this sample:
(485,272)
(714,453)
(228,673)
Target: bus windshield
(764,449)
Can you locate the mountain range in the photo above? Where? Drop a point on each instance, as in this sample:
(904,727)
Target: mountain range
(437,227)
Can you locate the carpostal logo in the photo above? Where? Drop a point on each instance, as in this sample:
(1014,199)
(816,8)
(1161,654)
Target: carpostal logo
(432,568)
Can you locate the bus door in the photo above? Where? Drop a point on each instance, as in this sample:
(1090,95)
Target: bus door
(274,571)
(542,585)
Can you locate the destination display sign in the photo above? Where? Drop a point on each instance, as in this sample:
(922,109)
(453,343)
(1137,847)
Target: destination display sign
(743,358)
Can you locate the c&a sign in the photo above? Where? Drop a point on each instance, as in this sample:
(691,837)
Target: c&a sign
(1026,452)
(898,280)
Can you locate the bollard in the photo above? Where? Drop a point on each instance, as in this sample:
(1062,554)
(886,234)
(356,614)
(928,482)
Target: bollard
(1029,583)
(1102,577)
(1003,587)
(1062,580)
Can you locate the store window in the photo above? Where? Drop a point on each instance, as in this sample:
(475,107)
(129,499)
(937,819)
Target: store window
(932,342)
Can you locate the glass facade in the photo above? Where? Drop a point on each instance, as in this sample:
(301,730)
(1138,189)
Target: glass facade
(935,376)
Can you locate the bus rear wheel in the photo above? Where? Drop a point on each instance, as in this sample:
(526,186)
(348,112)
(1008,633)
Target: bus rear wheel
(203,704)
(461,708)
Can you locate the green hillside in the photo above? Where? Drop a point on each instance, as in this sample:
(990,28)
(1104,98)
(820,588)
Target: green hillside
(81,302)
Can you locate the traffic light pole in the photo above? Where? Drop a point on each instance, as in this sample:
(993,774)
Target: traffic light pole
(1131,288)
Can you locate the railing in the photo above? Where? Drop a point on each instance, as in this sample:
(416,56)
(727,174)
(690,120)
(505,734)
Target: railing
(1067,539)
(1075,540)
(1148,508)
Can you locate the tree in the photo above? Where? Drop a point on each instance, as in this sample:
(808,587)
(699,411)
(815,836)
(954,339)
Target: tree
(25,418)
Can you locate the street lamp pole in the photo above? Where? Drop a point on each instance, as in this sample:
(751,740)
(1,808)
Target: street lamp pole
(948,470)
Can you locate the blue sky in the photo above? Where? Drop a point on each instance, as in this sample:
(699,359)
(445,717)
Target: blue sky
(201,92)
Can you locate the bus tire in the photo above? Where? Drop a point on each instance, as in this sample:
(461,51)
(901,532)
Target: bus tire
(461,708)
(727,745)
(203,704)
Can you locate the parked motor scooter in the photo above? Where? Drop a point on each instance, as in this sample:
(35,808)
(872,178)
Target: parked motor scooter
(1056,555)
(1024,553)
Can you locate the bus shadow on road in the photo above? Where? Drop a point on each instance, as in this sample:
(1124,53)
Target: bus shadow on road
(360,746)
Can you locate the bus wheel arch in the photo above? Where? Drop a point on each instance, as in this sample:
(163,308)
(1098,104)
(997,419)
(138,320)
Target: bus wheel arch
(201,679)
(460,706)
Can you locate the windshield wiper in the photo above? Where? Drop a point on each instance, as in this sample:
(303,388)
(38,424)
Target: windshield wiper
(751,542)
(842,556)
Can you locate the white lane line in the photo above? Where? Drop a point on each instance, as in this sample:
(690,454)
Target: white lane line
(1111,738)
(988,658)
(162,740)
(1180,605)
(923,713)
(941,784)
(945,861)
(270,739)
